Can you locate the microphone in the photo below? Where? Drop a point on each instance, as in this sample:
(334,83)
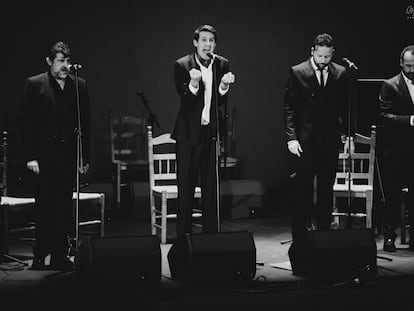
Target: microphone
(75,67)
(349,63)
(211,55)
(140,94)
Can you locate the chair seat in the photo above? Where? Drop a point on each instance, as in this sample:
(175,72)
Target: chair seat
(360,191)
(354,188)
(12,201)
(172,191)
(230,162)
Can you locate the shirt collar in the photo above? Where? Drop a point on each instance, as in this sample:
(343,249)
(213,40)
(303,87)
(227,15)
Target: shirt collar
(201,65)
(408,81)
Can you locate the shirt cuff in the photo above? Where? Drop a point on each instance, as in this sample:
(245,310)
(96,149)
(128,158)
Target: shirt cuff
(411,120)
(193,89)
(223,92)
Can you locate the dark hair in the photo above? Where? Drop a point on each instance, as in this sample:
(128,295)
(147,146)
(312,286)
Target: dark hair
(323,39)
(59,47)
(208,28)
(409,48)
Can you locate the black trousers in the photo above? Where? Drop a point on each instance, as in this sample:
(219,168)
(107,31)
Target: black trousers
(399,172)
(322,163)
(196,165)
(53,200)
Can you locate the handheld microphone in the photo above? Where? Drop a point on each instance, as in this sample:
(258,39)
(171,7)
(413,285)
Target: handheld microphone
(349,63)
(75,67)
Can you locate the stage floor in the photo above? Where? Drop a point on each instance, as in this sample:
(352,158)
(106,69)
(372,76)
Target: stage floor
(273,277)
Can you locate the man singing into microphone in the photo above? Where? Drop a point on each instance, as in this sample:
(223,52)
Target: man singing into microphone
(202,80)
(316,116)
(50,129)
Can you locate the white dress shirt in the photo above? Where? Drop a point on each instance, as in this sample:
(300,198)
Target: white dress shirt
(207,78)
(318,72)
(410,87)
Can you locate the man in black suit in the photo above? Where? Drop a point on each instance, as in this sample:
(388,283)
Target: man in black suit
(202,80)
(397,113)
(50,126)
(315,108)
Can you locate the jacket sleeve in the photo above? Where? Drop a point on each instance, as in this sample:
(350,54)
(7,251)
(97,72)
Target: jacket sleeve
(182,80)
(28,119)
(290,106)
(388,108)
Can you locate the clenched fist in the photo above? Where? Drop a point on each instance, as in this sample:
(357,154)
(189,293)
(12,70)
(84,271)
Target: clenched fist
(195,76)
(226,80)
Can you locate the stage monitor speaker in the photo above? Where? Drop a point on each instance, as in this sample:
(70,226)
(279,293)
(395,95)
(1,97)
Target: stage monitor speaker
(120,258)
(224,256)
(335,255)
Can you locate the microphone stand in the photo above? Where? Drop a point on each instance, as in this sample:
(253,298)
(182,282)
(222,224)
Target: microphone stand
(79,161)
(351,95)
(152,118)
(217,153)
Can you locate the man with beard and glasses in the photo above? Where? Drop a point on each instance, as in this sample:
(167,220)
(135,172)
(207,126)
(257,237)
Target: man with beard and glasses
(396,103)
(50,130)
(316,119)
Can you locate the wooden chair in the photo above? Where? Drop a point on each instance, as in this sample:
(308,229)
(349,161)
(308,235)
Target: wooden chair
(162,180)
(9,203)
(127,140)
(361,176)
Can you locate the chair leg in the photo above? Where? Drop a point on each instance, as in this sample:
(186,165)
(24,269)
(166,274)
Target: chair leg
(164,218)
(368,209)
(335,218)
(153,220)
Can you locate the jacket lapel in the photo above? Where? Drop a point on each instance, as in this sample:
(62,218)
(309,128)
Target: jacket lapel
(309,72)
(49,91)
(405,93)
(332,74)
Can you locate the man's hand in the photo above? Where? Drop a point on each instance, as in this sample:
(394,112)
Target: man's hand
(226,80)
(348,143)
(33,166)
(294,147)
(84,168)
(195,76)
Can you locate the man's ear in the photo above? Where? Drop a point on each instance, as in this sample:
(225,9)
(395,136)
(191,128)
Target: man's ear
(49,61)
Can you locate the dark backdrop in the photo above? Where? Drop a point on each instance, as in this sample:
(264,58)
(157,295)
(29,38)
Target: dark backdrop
(129,45)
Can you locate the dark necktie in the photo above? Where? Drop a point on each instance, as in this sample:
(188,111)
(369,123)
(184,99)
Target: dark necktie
(322,82)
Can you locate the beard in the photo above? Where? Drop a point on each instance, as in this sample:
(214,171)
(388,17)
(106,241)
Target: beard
(409,75)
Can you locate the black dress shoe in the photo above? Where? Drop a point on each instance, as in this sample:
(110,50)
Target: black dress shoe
(38,264)
(389,245)
(61,263)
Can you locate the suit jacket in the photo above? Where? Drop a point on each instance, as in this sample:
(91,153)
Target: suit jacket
(396,107)
(188,122)
(40,122)
(315,116)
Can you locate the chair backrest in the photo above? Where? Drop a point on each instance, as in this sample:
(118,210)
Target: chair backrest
(361,162)
(127,138)
(162,164)
(3,164)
